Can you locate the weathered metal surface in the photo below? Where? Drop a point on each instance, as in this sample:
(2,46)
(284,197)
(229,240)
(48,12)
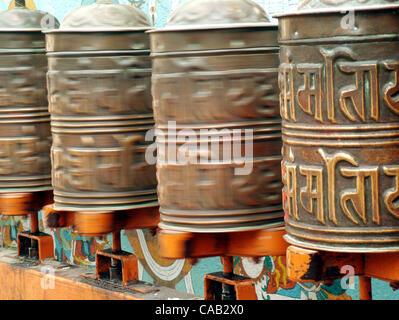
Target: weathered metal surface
(25,136)
(101,108)
(339,86)
(223,82)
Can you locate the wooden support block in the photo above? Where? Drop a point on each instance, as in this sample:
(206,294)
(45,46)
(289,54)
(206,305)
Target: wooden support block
(20,204)
(383,266)
(91,223)
(261,243)
(305,265)
(142,218)
(54,219)
(44,244)
(180,245)
(365,288)
(17,204)
(213,285)
(337,265)
(128,265)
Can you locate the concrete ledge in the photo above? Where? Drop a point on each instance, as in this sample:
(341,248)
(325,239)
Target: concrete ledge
(22,279)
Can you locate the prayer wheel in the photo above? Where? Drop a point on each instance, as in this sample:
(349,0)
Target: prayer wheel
(25,136)
(99,84)
(218,128)
(339,103)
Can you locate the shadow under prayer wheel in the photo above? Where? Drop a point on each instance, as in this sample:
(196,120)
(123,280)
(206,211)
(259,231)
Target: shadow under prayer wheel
(25,136)
(99,83)
(339,103)
(218,128)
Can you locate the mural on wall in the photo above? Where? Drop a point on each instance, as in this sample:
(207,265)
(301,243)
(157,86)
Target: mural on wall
(269,273)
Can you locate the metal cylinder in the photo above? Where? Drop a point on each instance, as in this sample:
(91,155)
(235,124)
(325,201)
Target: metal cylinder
(25,136)
(218,127)
(99,83)
(340,109)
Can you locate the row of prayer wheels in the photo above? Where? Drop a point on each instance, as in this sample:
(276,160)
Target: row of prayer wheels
(257,125)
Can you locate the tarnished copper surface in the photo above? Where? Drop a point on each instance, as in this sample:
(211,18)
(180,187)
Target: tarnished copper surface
(339,103)
(101,108)
(215,67)
(25,136)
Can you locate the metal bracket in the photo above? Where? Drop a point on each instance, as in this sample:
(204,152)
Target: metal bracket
(116,266)
(228,286)
(38,246)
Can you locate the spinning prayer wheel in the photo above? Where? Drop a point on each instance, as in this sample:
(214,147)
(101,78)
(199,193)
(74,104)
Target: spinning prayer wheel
(99,83)
(25,137)
(339,103)
(218,127)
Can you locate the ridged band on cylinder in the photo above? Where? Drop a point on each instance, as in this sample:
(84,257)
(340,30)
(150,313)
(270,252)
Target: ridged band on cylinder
(101,110)
(225,83)
(25,137)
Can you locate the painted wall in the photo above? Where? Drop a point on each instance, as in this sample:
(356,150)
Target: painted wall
(269,273)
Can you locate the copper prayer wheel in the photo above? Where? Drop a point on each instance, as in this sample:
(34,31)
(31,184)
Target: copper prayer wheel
(339,103)
(99,83)
(215,68)
(25,137)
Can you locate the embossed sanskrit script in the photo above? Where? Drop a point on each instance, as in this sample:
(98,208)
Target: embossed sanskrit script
(358,102)
(334,126)
(319,186)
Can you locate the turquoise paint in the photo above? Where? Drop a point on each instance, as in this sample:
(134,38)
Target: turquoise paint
(203,267)
(383,291)
(294,293)
(181,286)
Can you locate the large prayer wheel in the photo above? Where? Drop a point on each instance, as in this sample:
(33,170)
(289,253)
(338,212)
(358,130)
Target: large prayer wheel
(339,86)
(218,127)
(25,137)
(101,108)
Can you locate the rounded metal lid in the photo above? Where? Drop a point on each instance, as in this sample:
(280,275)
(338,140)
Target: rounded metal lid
(330,6)
(105,15)
(22,19)
(217,14)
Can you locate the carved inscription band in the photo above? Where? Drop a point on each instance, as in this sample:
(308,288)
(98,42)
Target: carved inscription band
(25,136)
(340,109)
(101,110)
(219,84)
